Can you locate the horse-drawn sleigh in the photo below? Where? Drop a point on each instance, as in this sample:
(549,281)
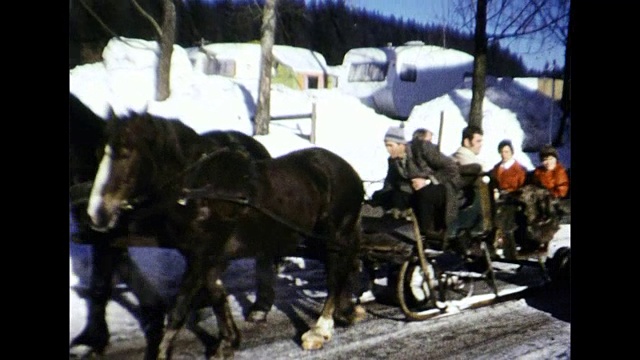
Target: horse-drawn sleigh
(219,197)
(485,256)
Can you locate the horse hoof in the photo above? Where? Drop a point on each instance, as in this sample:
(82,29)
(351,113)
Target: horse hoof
(224,352)
(82,351)
(257,316)
(163,355)
(359,313)
(314,342)
(314,339)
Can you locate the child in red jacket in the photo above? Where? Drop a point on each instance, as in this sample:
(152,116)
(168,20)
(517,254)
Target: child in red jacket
(551,174)
(508,173)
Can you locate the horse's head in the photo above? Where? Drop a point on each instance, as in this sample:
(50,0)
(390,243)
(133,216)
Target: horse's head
(129,170)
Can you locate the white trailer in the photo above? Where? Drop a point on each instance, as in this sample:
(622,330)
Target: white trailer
(393,79)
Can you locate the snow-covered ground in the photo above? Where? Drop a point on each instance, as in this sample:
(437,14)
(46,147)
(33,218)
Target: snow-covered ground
(125,81)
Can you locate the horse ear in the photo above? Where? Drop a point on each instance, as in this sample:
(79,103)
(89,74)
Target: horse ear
(111,115)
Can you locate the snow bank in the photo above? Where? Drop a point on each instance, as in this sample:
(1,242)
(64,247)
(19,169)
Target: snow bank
(125,81)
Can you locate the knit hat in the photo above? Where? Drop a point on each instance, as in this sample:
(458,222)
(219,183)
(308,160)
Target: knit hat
(395,134)
(548,150)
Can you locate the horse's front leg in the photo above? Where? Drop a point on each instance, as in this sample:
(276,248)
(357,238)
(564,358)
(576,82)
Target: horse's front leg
(152,308)
(229,333)
(191,283)
(94,338)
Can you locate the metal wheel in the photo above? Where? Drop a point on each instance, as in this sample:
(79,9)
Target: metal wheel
(417,299)
(417,292)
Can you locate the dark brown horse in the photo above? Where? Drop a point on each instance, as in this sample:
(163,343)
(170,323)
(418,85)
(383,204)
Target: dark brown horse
(218,205)
(109,248)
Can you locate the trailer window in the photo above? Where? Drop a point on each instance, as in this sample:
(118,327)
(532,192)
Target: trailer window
(368,72)
(312,82)
(408,72)
(221,67)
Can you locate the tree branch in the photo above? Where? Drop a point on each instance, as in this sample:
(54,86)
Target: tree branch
(95,16)
(153,22)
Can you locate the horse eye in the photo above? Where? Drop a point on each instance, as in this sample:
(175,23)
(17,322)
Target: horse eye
(124,153)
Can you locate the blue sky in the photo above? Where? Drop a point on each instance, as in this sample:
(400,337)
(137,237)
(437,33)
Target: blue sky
(439,11)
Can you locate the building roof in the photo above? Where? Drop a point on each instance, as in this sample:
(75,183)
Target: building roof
(299,59)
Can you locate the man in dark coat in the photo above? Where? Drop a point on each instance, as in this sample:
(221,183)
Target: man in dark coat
(428,180)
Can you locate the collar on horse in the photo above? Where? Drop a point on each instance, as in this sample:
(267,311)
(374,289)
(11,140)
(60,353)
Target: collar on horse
(207,192)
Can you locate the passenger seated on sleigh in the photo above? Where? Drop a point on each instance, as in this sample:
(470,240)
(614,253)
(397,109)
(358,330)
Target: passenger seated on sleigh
(421,177)
(508,175)
(475,214)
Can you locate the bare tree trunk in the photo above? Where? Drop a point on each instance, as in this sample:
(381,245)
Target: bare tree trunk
(167,38)
(263,112)
(479,65)
(565,103)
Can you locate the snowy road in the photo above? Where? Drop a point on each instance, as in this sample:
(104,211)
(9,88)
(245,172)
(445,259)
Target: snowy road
(514,329)
(536,327)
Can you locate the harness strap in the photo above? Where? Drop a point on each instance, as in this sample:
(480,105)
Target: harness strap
(139,200)
(206,192)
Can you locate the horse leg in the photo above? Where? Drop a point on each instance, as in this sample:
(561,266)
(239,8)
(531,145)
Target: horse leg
(322,331)
(191,284)
(229,333)
(265,283)
(348,276)
(199,312)
(95,334)
(151,309)
(347,312)
(342,270)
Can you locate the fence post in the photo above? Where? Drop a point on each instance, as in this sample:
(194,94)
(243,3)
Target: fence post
(313,123)
(441,127)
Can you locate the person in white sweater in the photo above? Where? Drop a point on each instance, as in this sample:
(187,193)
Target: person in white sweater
(471,145)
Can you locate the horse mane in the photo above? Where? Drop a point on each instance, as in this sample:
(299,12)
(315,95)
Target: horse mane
(237,140)
(168,138)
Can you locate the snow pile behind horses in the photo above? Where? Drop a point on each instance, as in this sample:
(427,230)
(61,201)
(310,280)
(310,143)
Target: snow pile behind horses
(511,110)
(125,81)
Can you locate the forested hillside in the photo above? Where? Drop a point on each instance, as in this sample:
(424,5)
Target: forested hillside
(327,26)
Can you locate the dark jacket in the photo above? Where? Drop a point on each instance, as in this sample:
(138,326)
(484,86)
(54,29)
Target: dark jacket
(424,160)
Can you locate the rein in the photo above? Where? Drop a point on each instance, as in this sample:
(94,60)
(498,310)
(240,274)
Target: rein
(207,193)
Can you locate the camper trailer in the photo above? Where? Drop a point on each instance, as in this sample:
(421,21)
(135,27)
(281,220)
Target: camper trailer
(393,79)
(294,67)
